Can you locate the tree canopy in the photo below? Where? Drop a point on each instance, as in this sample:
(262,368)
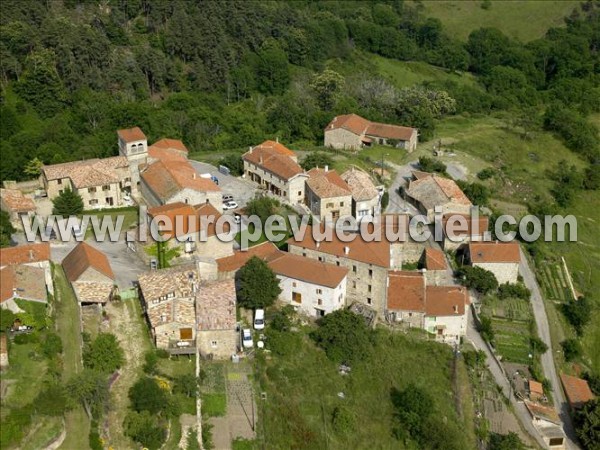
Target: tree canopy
(104,354)
(259,286)
(67,203)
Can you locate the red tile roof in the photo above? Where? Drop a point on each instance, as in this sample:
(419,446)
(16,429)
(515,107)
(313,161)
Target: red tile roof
(406,291)
(172,144)
(435,259)
(535,387)
(494,252)
(165,154)
(182,219)
(275,158)
(166,178)
(131,134)
(327,183)
(308,270)
(89,172)
(361,126)
(265,251)
(376,253)
(577,390)
(22,254)
(81,258)
(7,283)
(16,201)
(446,300)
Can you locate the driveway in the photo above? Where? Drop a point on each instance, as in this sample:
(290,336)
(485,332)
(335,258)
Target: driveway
(241,189)
(125,264)
(541,320)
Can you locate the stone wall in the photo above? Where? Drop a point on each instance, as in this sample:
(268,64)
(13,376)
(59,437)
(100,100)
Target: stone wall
(220,343)
(342,139)
(504,272)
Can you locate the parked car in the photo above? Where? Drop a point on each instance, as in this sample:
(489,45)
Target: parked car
(247,341)
(230,205)
(259,319)
(227,198)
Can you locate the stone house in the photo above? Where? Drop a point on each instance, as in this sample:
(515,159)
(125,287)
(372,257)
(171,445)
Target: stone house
(500,258)
(367,264)
(18,206)
(460,229)
(365,197)
(395,228)
(169,299)
(101,183)
(436,266)
(32,255)
(173,179)
(328,196)
(440,310)
(187,227)
(227,267)
(133,145)
(216,320)
(431,191)
(352,132)
(313,287)
(275,169)
(89,272)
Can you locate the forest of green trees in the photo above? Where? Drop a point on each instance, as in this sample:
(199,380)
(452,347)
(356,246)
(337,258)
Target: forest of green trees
(226,75)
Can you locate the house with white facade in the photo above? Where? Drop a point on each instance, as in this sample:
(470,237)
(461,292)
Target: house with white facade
(274,168)
(313,287)
(500,258)
(352,132)
(365,197)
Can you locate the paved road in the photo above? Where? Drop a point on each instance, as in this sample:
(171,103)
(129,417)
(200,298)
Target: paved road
(541,320)
(501,380)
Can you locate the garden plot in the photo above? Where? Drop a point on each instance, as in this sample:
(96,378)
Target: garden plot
(554,282)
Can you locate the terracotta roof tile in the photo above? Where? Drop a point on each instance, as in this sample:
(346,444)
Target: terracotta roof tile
(361,126)
(157,283)
(165,154)
(266,251)
(87,173)
(494,252)
(171,144)
(435,259)
(390,131)
(7,283)
(275,158)
(22,281)
(167,177)
(93,291)
(434,191)
(360,184)
(577,390)
(376,253)
(16,201)
(308,270)
(406,291)
(351,122)
(535,387)
(81,258)
(215,306)
(190,218)
(327,183)
(446,300)
(131,134)
(22,254)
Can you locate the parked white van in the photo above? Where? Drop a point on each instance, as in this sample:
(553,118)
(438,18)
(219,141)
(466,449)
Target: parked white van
(259,319)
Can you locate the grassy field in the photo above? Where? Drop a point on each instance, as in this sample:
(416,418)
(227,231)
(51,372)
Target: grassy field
(520,19)
(130,217)
(302,390)
(68,326)
(212,389)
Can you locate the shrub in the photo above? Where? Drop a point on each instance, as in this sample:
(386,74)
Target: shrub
(517,290)
(483,281)
(578,313)
(431,165)
(486,174)
(485,329)
(145,429)
(234,163)
(146,395)
(68,203)
(317,159)
(342,420)
(150,362)
(571,349)
(104,354)
(52,345)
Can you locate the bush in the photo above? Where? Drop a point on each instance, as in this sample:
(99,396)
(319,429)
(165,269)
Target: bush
(344,336)
(146,429)
(518,290)
(537,345)
(68,203)
(26,338)
(317,159)
(51,401)
(578,313)
(571,349)
(150,362)
(431,165)
(263,207)
(385,200)
(147,395)
(587,425)
(94,437)
(104,354)
(234,163)
(485,329)
(342,420)
(483,281)
(486,174)
(52,345)
(510,441)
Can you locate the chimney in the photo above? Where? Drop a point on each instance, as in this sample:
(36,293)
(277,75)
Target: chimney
(455,309)
(250,149)
(318,244)
(326,168)
(30,255)
(277,139)
(346,250)
(194,176)
(260,160)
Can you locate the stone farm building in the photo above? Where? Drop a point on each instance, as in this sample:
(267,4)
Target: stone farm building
(365,197)
(429,191)
(352,132)
(182,224)
(17,205)
(500,258)
(328,196)
(24,282)
(101,183)
(440,310)
(90,274)
(275,169)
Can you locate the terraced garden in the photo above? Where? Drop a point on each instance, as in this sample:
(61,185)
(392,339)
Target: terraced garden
(555,282)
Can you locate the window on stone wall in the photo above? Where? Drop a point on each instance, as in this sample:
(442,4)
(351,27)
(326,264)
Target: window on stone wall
(370,272)
(297,297)
(329,205)
(319,291)
(214,344)
(59,181)
(91,189)
(369,288)
(319,302)
(106,187)
(369,301)
(341,204)
(93,201)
